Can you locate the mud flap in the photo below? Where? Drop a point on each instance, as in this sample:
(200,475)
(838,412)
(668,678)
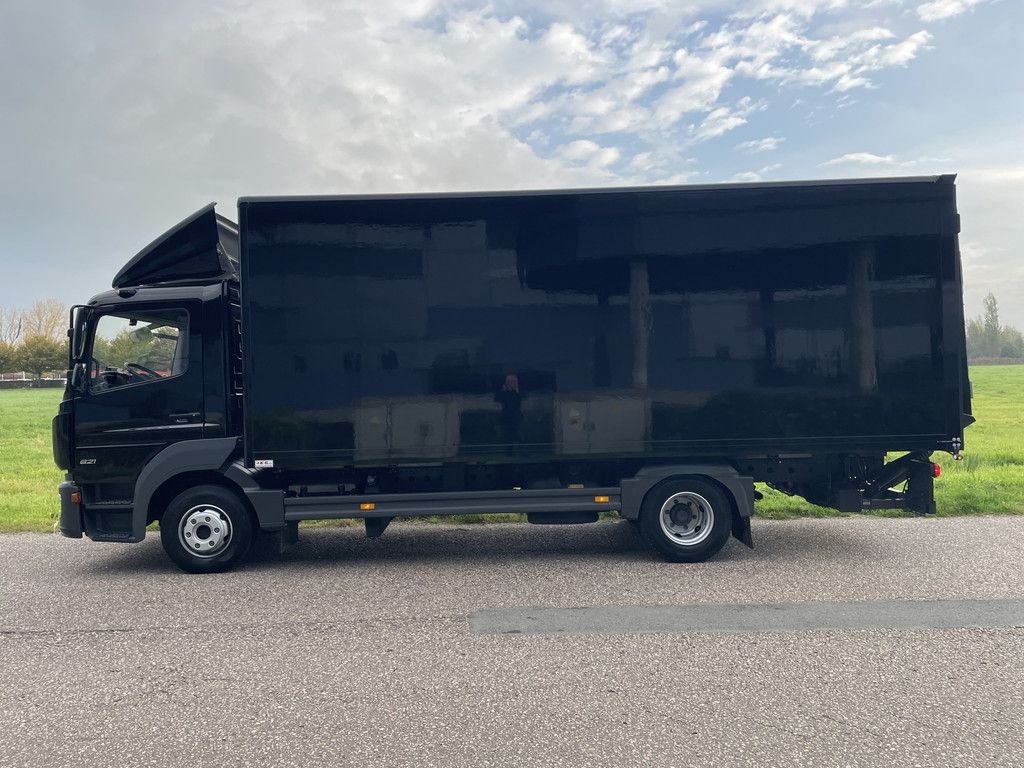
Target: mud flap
(741,530)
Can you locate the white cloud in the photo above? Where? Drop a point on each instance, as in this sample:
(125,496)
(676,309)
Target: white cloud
(918,164)
(782,49)
(829,48)
(848,82)
(724,119)
(589,152)
(641,161)
(758,175)
(935,10)
(760,145)
(703,78)
(896,55)
(860,158)
(579,151)
(717,122)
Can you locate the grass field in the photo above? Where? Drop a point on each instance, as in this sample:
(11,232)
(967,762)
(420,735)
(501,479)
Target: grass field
(28,477)
(989,480)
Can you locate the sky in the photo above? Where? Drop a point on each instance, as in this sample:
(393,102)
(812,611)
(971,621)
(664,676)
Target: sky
(121,118)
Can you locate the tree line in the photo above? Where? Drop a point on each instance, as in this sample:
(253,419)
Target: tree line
(34,340)
(987,337)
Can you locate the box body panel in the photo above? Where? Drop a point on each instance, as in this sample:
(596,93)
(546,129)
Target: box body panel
(656,322)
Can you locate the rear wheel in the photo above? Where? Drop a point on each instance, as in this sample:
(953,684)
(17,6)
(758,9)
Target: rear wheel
(687,520)
(206,529)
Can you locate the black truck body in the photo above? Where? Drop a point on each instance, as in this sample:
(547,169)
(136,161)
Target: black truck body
(652,351)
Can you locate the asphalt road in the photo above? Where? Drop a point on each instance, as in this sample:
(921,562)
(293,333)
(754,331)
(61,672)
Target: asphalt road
(451,646)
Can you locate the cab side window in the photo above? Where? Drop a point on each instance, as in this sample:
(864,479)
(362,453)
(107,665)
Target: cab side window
(137,347)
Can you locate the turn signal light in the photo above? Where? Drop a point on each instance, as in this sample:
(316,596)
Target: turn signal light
(936,470)
(367,506)
(602,499)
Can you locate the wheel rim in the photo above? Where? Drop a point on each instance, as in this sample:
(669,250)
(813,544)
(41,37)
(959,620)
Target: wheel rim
(687,518)
(204,531)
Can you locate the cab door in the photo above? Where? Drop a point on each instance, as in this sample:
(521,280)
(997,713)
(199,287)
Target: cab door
(143,391)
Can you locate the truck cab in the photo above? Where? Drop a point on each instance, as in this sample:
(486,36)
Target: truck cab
(150,366)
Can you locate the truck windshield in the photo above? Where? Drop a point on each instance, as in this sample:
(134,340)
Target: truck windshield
(131,348)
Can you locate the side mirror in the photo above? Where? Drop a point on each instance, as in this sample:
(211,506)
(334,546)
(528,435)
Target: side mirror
(76,332)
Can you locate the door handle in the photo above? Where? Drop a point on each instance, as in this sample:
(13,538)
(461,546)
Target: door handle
(184,417)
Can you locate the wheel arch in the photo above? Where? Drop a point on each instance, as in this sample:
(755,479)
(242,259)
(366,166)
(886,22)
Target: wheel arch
(177,463)
(738,489)
(170,488)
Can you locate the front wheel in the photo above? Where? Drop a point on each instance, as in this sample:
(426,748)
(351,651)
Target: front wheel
(688,520)
(206,529)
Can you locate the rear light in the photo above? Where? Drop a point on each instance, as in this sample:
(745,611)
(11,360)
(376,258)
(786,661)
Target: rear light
(936,470)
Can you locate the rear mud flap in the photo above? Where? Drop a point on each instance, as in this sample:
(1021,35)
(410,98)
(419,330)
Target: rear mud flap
(741,530)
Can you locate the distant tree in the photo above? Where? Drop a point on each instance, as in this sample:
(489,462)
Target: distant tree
(1011,343)
(986,337)
(47,317)
(8,356)
(10,325)
(38,354)
(990,325)
(975,337)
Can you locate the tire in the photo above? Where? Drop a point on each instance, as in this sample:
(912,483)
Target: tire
(207,529)
(686,519)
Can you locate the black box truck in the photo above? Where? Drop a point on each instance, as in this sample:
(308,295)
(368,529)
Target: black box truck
(650,351)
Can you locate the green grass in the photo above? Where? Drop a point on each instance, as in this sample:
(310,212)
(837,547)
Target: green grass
(989,480)
(28,477)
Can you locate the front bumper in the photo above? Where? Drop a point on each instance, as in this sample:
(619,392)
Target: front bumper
(70,511)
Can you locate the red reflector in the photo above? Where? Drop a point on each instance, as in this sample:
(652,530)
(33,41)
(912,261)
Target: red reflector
(936,470)
(76,497)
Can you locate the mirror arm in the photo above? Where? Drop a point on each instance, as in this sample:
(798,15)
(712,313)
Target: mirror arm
(78,377)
